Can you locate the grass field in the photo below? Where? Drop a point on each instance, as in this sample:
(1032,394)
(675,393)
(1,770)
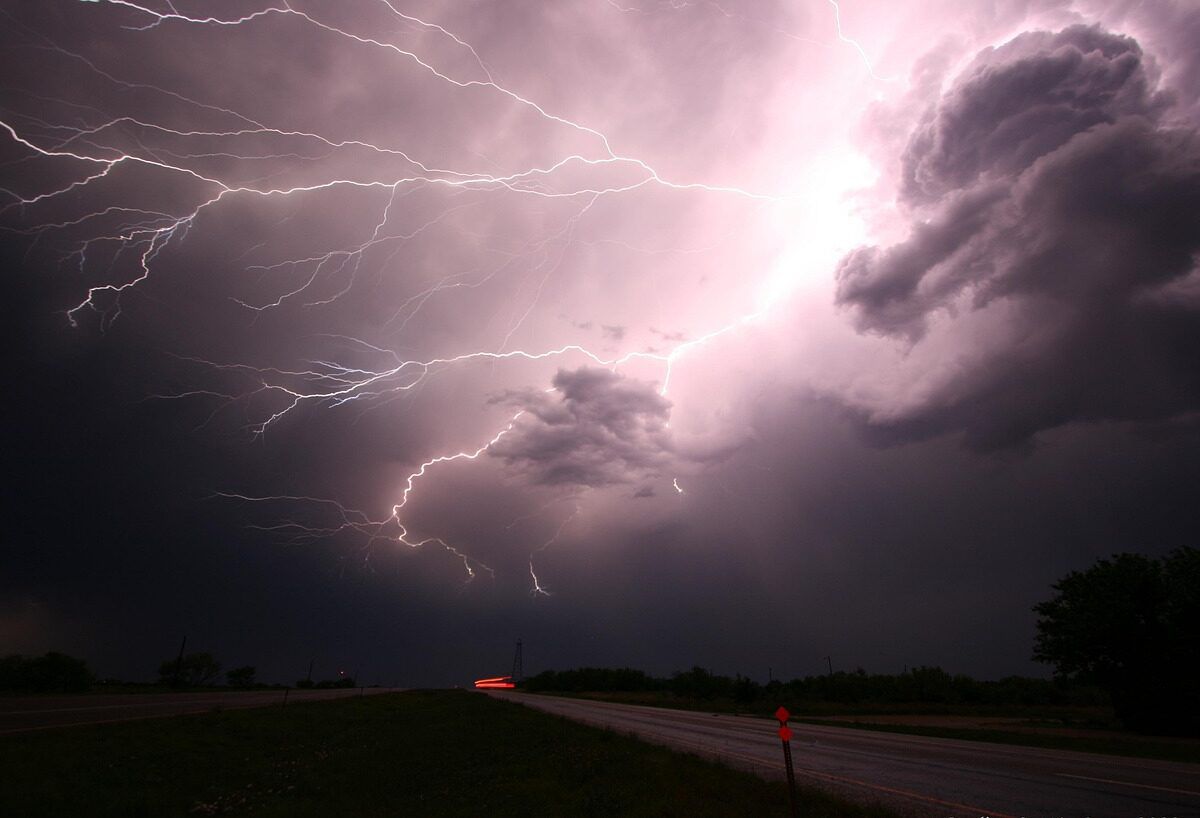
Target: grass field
(420,753)
(1092,729)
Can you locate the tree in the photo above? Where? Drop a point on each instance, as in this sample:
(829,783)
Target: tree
(54,672)
(240,676)
(1131,625)
(195,669)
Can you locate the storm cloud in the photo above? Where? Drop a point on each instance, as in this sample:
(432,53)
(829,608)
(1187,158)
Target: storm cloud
(597,428)
(318,260)
(1052,184)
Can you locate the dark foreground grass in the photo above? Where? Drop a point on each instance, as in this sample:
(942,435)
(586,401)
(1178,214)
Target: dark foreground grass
(421,753)
(1124,744)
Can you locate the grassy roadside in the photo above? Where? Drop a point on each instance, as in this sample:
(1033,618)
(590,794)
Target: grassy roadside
(428,753)
(1125,744)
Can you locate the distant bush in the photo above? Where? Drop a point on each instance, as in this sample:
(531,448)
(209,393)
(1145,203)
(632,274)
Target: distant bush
(195,670)
(242,677)
(51,673)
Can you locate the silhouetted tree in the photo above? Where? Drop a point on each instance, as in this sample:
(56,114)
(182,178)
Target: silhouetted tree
(196,669)
(51,673)
(240,676)
(1131,624)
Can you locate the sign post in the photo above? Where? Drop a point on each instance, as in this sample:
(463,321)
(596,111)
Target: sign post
(785,735)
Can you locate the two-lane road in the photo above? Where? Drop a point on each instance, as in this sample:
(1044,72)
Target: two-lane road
(915,774)
(26,713)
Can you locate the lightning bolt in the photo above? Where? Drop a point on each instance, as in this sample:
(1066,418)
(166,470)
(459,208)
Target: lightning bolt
(96,149)
(862,52)
(537,589)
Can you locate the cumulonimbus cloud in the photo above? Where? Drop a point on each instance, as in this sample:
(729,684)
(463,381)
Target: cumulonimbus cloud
(596,428)
(1055,181)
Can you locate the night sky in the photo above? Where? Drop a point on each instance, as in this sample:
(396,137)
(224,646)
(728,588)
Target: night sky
(657,334)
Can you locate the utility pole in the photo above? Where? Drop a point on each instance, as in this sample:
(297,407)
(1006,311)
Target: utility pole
(829,663)
(518,672)
(310,664)
(179,663)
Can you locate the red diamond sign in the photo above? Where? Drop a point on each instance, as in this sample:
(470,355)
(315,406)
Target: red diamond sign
(785,733)
(782,714)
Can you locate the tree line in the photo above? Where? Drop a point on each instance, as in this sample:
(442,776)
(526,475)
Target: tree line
(51,673)
(59,673)
(925,685)
(202,669)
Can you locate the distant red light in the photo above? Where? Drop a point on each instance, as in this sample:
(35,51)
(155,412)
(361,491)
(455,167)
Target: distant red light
(495,683)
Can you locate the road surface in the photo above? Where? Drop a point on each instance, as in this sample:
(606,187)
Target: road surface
(26,713)
(917,775)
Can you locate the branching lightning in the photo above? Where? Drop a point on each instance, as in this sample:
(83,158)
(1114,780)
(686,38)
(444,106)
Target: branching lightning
(537,589)
(94,148)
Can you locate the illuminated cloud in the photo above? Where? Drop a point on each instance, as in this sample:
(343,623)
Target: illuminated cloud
(597,428)
(410,292)
(1052,185)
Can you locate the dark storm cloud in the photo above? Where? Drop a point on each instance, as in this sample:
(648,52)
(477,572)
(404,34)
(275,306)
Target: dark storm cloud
(785,539)
(1173,29)
(1053,183)
(596,429)
(1183,32)
(1022,101)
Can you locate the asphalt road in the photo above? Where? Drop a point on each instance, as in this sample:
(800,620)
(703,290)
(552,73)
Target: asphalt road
(26,713)
(914,774)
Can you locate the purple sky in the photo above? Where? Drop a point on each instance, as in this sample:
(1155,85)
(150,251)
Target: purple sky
(654,333)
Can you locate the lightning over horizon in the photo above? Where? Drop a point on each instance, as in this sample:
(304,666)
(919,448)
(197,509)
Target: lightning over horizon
(660,333)
(207,161)
(527,271)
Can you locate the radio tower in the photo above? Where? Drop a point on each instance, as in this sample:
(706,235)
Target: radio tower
(518,672)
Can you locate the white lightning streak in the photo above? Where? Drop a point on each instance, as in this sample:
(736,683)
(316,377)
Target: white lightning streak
(537,589)
(147,233)
(837,16)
